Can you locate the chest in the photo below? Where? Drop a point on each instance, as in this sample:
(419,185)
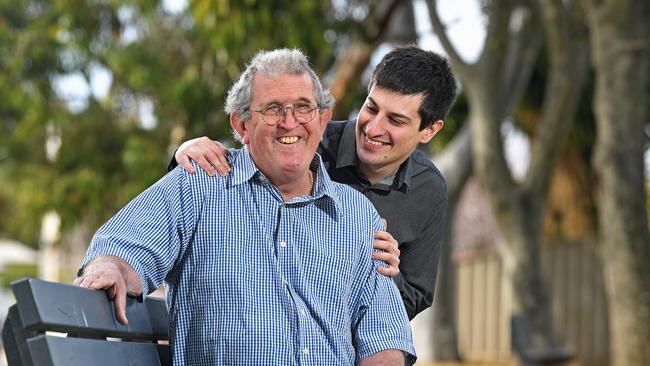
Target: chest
(248,235)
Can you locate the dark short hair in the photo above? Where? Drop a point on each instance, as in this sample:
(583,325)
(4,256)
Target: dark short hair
(411,70)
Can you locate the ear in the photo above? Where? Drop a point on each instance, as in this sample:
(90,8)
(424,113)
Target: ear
(239,126)
(325,116)
(431,130)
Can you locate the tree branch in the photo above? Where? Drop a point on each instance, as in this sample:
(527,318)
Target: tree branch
(455,161)
(520,61)
(439,29)
(568,53)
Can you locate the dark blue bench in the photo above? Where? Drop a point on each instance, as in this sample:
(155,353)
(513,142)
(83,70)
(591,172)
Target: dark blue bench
(54,324)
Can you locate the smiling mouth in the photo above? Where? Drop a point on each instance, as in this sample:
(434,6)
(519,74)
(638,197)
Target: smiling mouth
(372,142)
(288,140)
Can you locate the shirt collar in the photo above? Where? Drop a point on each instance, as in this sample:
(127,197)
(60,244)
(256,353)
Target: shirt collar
(347,156)
(244,169)
(243,166)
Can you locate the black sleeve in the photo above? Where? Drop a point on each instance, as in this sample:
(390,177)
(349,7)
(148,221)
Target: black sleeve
(172,163)
(419,263)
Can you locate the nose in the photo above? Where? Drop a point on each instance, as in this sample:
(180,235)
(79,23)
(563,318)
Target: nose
(288,120)
(373,126)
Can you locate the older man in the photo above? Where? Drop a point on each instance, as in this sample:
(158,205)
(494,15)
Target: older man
(271,264)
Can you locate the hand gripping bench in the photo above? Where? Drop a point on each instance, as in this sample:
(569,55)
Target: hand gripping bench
(54,324)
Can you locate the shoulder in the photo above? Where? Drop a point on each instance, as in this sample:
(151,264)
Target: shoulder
(424,171)
(335,128)
(330,144)
(354,203)
(334,132)
(193,184)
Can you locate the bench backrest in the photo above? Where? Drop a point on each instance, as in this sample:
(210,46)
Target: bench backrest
(94,337)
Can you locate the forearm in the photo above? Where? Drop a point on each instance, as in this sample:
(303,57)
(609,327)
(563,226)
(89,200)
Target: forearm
(417,279)
(419,266)
(389,357)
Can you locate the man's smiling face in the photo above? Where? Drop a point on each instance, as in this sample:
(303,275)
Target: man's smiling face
(388,131)
(285,150)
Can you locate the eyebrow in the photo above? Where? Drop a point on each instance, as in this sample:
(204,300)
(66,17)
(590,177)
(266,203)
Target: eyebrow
(392,114)
(301,99)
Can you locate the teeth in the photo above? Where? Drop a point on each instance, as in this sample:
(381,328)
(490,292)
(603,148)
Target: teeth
(374,142)
(289,139)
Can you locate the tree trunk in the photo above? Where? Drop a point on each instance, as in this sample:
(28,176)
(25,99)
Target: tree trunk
(492,91)
(619,36)
(455,163)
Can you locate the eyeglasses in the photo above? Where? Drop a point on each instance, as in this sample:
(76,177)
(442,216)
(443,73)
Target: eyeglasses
(273,114)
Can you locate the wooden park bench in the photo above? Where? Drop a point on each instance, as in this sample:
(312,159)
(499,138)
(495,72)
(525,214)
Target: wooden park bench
(54,324)
(520,331)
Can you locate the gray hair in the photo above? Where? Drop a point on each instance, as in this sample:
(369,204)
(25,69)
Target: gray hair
(273,63)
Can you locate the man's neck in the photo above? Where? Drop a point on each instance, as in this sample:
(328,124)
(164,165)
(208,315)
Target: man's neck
(376,175)
(301,186)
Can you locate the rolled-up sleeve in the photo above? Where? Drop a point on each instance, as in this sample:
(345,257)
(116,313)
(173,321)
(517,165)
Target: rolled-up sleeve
(151,231)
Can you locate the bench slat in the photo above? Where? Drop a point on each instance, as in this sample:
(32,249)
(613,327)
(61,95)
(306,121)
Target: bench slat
(47,306)
(14,337)
(51,350)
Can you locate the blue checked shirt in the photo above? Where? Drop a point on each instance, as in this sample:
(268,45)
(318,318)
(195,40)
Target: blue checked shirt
(254,280)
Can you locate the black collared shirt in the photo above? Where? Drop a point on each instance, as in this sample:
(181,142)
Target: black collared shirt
(413,205)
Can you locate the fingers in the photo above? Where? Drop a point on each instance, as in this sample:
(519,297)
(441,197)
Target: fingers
(386,250)
(385,236)
(388,271)
(220,160)
(210,156)
(120,303)
(184,161)
(217,155)
(107,276)
(201,160)
(391,261)
(94,279)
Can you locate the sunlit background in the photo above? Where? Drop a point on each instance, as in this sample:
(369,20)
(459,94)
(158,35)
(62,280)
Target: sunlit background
(95,96)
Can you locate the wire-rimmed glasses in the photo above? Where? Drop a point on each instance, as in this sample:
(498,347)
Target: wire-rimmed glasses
(274,113)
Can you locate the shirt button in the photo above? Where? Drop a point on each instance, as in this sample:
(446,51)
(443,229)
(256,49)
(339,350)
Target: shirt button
(302,312)
(305,351)
(283,243)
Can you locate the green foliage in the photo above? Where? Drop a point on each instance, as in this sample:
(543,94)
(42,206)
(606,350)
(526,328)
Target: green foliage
(180,64)
(14,272)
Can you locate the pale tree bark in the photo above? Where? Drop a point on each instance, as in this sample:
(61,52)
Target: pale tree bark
(619,35)
(493,86)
